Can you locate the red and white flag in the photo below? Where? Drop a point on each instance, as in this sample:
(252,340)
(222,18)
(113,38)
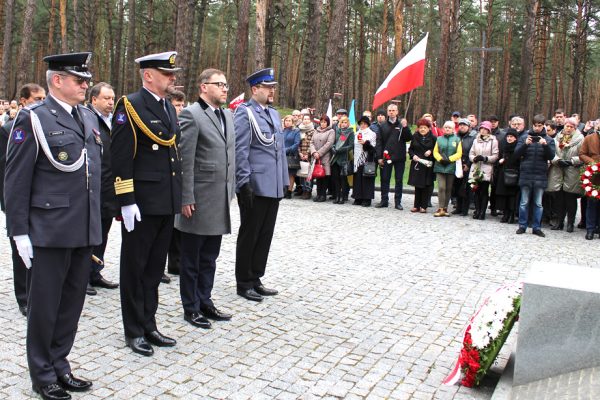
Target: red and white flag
(236,102)
(407,75)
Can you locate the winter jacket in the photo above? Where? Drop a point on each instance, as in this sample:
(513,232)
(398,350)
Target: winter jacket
(321,142)
(534,160)
(489,150)
(419,175)
(344,143)
(590,149)
(291,138)
(449,147)
(393,138)
(566,177)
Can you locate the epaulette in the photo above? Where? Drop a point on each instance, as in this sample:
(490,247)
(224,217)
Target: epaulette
(33,106)
(87,109)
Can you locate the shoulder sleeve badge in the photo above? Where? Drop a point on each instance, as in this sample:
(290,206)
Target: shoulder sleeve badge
(18,136)
(121,118)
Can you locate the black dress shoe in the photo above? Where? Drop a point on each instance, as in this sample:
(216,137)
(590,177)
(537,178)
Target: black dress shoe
(52,392)
(399,207)
(581,225)
(197,320)
(139,345)
(249,294)
(263,291)
(212,313)
(538,232)
(69,382)
(589,235)
(494,213)
(570,227)
(165,279)
(103,283)
(382,204)
(23,310)
(90,291)
(160,340)
(557,227)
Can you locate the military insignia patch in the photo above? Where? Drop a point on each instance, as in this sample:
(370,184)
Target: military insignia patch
(121,118)
(172,60)
(63,156)
(18,136)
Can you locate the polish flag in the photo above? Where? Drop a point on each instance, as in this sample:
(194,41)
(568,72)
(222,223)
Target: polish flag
(236,102)
(407,75)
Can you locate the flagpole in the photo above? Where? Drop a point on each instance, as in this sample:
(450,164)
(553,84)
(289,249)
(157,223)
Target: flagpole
(408,104)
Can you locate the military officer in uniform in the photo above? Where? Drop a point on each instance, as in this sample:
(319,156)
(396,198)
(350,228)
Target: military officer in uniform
(147,174)
(53,214)
(261,176)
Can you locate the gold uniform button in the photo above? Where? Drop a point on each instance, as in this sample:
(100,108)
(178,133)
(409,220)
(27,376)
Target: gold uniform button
(159,133)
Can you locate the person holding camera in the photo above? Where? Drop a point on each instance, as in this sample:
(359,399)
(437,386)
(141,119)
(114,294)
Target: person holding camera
(535,149)
(563,175)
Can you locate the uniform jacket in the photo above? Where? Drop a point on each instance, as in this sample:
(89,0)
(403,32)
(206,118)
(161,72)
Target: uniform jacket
(154,168)
(487,148)
(4,133)
(109,205)
(322,142)
(263,166)
(450,147)
(566,178)
(534,160)
(55,208)
(208,162)
(393,138)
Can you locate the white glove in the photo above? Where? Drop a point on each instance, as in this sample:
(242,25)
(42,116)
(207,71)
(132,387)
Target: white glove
(24,248)
(130,213)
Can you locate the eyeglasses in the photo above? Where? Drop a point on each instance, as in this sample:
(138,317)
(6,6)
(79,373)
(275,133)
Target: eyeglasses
(78,80)
(220,85)
(268,87)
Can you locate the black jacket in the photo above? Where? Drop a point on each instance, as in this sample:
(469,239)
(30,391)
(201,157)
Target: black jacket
(154,168)
(534,160)
(393,138)
(4,132)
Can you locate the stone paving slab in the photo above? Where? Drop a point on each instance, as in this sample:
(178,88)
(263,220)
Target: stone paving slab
(372,303)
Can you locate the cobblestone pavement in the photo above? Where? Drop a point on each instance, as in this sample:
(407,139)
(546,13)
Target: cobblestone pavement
(372,305)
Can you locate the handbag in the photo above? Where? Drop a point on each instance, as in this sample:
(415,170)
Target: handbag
(293,161)
(303,171)
(347,168)
(318,171)
(511,177)
(459,169)
(369,168)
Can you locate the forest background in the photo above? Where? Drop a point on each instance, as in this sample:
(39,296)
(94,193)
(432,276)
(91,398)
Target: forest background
(328,49)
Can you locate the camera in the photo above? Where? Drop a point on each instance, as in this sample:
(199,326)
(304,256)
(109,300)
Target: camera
(535,138)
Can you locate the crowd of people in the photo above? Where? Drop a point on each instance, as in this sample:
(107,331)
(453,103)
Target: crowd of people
(524,176)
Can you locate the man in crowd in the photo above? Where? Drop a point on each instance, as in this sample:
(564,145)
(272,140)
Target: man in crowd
(101,102)
(535,150)
(147,174)
(473,121)
(261,176)
(559,119)
(391,154)
(30,93)
(207,140)
(53,214)
(455,118)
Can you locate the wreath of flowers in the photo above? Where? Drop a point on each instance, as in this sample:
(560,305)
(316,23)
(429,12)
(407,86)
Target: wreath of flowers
(476,179)
(485,335)
(590,180)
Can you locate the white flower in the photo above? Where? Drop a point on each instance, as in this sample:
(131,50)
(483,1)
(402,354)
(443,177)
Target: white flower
(595,193)
(594,168)
(587,189)
(587,173)
(586,181)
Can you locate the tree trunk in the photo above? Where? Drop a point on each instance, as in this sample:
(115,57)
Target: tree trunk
(261,21)
(117,66)
(9,6)
(76,36)
(284,77)
(185,29)
(505,87)
(192,87)
(64,48)
(382,66)
(308,82)
(579,55)
(240,61)
(25,56)
(361,62)
(130,67)
(441,77)
(489,30)
(398,29)
(334,52)
(527,58)
(539,61)
(51,24)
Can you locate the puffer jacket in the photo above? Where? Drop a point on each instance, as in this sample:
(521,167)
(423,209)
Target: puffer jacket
(448,146)
(566,178)
(534,160)
(487,148)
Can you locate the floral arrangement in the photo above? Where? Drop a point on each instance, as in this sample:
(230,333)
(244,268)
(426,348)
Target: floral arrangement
(476,179)
(485,335)
(590,180)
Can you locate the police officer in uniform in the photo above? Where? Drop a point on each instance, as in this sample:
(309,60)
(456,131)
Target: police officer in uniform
(53,214)
(261,174)
(147,175)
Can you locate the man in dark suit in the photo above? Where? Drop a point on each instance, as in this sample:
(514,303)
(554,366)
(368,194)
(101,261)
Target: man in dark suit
(208,161)
(29,94)
(102,100)
(391,154)
(261,176)
(53,214)
(147,175)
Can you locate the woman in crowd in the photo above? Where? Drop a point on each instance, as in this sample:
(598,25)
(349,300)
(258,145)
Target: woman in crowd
(341,162)
(421,165)
(364,151)
(483,155)
(507,187)
(320,147)
(291,137)
(464,195)
(563,175)
(446,152)
(307,129)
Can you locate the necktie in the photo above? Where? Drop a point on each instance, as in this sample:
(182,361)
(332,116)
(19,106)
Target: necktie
(219,114)
(164,107)
(75,115)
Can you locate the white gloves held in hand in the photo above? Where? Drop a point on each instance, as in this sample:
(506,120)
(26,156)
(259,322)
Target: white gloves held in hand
(25,249)
(130,213)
